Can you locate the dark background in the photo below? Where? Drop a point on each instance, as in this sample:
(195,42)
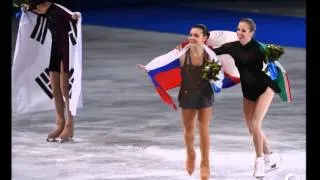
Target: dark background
(87,4)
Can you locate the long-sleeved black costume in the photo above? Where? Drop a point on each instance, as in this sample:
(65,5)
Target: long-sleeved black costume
(249,61)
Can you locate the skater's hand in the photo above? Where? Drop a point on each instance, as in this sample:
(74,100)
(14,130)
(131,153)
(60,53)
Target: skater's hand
(182,45)
(25,7)
(141,66)
(179,47)
(75,16)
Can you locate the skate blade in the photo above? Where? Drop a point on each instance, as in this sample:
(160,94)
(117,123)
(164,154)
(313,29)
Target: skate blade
(63,140)
(51,140)
(258,177)
(272,168)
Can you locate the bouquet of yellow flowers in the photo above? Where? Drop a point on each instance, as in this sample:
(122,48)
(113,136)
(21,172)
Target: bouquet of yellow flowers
(273,52)
(211,70)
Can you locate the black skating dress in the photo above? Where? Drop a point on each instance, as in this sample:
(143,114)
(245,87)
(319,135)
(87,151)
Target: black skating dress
(58,22)
(195,92)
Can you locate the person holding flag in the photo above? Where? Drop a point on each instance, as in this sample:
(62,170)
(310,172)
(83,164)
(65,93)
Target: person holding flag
(63,47)
(189,69)
(258,87)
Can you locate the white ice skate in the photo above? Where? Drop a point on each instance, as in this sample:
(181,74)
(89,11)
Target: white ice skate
(272,162)
(259,169)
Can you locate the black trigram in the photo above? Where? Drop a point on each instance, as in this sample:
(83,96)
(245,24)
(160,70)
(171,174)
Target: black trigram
(73,32)
(71,80)
(43,81)
(40,30)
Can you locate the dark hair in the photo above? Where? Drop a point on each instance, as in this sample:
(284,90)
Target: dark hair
(204,29)
(34,3)
(250,22)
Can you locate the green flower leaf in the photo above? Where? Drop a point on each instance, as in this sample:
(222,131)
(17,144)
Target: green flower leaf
(274,52)
(210,70)
(18,3)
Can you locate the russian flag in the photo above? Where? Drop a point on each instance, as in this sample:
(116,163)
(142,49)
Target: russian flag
(164,71)
(231,73)
(166,78)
